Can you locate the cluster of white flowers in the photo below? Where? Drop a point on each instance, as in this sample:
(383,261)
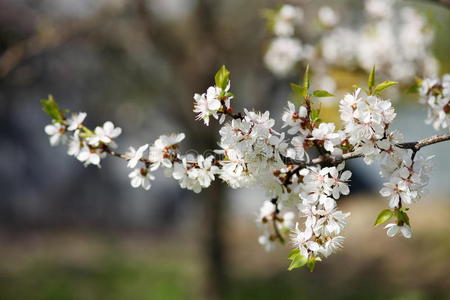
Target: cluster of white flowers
(193,173)
(284,50)
(213,103)
(366,121)
(86,145)
(397,39)
(251,149)
(269,215)
(435,93)
(407,181)
(324,223)
(253,154)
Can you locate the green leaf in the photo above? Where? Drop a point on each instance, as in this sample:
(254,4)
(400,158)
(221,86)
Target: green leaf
(298,261)
(402,216)
(384,85)
(222,77)
(311,264)
(371,81)
(414,89)
(306,78)
(384,216)
(293,253)
(322,93)
(51,108)
(315,115)
(298,90)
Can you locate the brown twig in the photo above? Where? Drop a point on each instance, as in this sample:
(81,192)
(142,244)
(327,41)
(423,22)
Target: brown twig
(416,146)
(275,219)
(335,160)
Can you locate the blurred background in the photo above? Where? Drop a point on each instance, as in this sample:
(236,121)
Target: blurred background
(69,232)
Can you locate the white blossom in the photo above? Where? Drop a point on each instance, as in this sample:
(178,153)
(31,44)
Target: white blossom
(75,121)
(295,119)
(340,185)
(267,211)
(283,54)
(134,155)
(393,229)
(332,245)
(56,132)
(141,178)
(163,149)
(287,18)
(89,156)
(75,144)
(267,242)
(328,16)
(435,94)
(105,134)
(326,134)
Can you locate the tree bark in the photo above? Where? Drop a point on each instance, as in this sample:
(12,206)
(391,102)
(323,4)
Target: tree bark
(216,281)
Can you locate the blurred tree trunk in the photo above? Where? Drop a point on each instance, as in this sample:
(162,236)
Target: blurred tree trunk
(214,246)
(194,63)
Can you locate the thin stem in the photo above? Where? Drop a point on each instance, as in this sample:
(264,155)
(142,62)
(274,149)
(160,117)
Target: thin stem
(416,146)
(275,219)
(335,160)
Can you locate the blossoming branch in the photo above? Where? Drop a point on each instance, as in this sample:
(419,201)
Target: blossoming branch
(301,167)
